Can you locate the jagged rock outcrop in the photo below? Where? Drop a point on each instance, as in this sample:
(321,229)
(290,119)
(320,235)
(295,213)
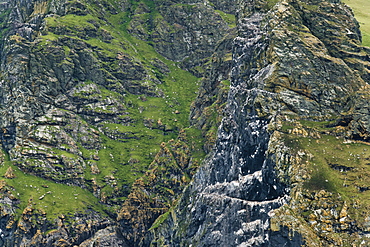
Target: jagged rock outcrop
(296,65)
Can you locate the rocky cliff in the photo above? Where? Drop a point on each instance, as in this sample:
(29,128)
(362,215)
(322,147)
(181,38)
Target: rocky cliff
(94,95)
(290,163)
(178,123)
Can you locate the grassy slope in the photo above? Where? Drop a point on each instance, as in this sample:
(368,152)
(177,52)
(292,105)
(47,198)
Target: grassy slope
(361,8)
(172,110)
(53,198)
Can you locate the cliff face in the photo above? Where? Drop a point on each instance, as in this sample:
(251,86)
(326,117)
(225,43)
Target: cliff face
(94,95)
(290,161)
(97,148)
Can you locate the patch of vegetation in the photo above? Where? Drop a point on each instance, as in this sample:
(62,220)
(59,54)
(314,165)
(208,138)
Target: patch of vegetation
(318,125)
(334,164)
(153,119)
(160,220)
(228,18)
(4,23)
(362,14)
(270,3)
(195,140)
(126,150)
(71,24)
(157,191)
(336,177)
(53,198)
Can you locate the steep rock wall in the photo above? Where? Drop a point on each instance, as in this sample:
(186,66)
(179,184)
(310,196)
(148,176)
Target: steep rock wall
(296,66)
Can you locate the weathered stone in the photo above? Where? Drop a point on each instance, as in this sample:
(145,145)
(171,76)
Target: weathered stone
(9,173)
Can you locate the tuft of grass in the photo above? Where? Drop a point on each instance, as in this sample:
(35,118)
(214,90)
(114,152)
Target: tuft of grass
(228,18)
(159,220)
(270,4)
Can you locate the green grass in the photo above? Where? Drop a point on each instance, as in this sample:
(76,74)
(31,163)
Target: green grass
(53,198)
(4,23)
(228,18)
(317,125)
(335,165)
(196,141)
(159,220)
(128,158)
(270,4)
(361,10)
